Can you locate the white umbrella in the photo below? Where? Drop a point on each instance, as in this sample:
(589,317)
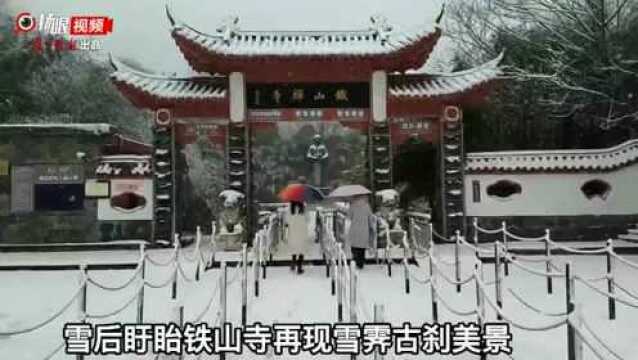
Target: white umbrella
(349,191)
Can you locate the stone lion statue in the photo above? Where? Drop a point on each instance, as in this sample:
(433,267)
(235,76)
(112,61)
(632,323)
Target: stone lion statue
(231,217)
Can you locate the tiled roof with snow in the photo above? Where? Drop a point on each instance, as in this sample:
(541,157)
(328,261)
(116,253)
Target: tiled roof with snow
(96,128)
(439,84)
(379,39)
(554,160)
(196,88)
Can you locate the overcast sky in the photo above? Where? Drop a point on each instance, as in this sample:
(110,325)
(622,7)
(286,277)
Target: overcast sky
(141,29)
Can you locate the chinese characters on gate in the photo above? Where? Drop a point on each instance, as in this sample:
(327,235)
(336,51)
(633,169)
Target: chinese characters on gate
(64,33)
(293,339)
(308,95)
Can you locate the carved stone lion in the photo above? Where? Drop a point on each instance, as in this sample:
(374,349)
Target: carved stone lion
(231,217)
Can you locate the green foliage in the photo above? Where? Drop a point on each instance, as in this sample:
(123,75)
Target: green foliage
(17,61)
(41,87)
(571,73)
(80,87)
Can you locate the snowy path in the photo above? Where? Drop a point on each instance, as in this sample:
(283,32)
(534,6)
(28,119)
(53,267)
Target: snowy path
(28,297)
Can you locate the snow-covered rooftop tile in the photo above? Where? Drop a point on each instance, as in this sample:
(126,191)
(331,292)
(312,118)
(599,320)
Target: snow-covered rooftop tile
(94,128)
(380,38)
(554,160)
(197,88)
(438,84)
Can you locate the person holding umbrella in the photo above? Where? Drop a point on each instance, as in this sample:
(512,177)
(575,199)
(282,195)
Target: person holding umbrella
(297,239)
(362,221)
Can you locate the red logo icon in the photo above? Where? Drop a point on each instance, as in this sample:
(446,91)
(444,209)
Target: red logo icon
(91,25)
(25,22)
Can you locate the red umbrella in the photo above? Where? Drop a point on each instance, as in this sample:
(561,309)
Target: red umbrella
(301,193)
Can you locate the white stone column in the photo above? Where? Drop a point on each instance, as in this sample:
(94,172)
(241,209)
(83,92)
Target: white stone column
(237,93)
(379,96)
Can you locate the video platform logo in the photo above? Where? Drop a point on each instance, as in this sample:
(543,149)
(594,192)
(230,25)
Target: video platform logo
(82,30)
(25,22)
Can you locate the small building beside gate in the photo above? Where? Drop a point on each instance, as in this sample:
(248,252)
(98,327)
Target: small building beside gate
(47,185)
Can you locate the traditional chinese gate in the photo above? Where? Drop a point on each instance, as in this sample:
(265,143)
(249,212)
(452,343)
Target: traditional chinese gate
(276,90)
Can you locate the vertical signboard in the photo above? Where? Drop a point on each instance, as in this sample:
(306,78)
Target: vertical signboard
(22,179)
(4,167)
(5,188)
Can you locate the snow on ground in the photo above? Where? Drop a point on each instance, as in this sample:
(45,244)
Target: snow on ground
(30,296)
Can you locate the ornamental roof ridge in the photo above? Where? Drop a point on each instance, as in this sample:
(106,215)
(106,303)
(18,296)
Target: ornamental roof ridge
(577,159)
(491,64)
(379,37)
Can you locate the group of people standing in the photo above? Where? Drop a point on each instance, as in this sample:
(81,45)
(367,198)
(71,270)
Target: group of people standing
(360,237)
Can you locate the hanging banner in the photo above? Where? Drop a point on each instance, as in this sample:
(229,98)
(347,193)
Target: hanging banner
(131,199)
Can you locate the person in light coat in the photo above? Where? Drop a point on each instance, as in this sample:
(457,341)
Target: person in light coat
(298,239)
(362,228)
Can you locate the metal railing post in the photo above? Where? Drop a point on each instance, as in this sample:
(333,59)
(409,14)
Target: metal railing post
(140,298)
(222,302)
(176,270)
(611,302)
(412,228)
(571,333)
(198,242)
(497,279)
(262,254)
(325,259)
(353,293)
(353,298)
(548,262)
(213,243)
(340,279)
(480,302)
(333,276)
(457,260)
(406,270)
(378,319)
(435,308)
(83,297)
(178,318)
(83,280)
(475,237)
(387,258)
(256,264)
(506,248)
(244,283)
